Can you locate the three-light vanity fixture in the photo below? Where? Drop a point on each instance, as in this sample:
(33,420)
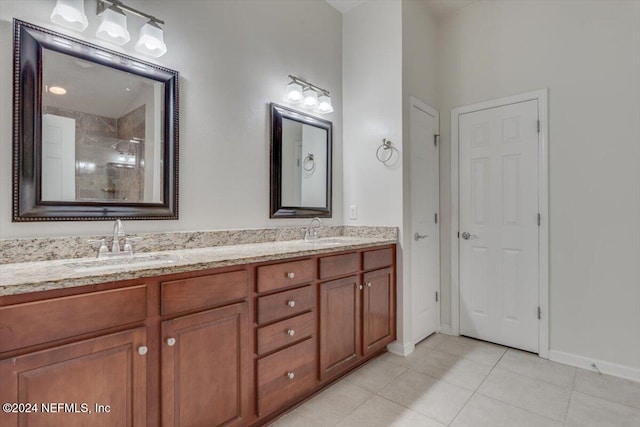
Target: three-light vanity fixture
(309,95)
(113,24)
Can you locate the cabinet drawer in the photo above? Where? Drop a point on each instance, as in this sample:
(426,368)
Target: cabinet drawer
(277,276)
(378,258)
(338,265)
(285,332)
(39,322)
(203,291)
(284,304)
(285,375)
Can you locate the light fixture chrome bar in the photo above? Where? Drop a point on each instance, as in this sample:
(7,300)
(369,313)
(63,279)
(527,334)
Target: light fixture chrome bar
(303,82)
(103,4)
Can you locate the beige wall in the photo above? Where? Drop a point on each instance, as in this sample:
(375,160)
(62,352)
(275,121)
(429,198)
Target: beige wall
(233,58)
(588,54)
(372,86)
(419,36)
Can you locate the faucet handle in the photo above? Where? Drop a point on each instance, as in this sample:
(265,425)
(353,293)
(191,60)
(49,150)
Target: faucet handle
(103,246)
(127,243)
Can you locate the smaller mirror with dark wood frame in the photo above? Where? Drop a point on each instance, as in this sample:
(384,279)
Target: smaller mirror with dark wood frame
(300,164)
(95,132)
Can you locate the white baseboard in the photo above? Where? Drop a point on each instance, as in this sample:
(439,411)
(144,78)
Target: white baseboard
(614,369)
(401,349)
(446,329)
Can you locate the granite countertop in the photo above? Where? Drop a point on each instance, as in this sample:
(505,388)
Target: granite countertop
(25,277)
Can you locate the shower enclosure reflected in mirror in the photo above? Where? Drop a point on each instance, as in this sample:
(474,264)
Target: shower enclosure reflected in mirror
(96,135)
(300,164)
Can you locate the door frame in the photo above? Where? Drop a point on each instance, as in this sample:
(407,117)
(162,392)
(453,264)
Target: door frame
(415,102)
(541,96)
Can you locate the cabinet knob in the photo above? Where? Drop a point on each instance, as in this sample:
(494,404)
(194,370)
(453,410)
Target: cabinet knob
(360,287)
(291,303)
(368,284)
(291,375)
(171,342)
(291,275)
(291,332)
(142,350)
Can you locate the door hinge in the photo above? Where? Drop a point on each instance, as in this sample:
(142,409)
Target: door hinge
(458,234)
(539,313)
(538,126)
(539,219)
(436,296)
(436,139)
(436,217)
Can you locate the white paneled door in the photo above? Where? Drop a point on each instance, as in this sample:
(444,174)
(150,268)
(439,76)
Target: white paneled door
(425,235)
(498,244)
(58,158)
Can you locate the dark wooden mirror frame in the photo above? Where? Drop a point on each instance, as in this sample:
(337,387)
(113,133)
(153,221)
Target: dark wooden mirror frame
(278,112)
(28,42)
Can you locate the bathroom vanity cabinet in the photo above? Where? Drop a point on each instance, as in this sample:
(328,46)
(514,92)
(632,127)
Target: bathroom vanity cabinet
(230,346)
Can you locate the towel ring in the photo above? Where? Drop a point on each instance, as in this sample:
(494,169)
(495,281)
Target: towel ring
(309,164)
(385,147)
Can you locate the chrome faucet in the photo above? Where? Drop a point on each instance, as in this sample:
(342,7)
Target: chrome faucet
(311,232)
(118,231)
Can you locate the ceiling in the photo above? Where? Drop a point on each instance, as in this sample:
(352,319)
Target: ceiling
(439,8)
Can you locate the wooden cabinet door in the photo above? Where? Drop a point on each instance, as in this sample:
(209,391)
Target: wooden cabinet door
(67,382)
(206,369)
(340,324)
(378,311)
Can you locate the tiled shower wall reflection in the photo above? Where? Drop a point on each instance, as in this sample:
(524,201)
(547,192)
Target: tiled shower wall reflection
(108,165)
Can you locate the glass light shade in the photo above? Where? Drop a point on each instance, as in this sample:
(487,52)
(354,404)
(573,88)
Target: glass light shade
(324,104)
(310,98)
(70,14)
(113,26)
(294,93)
(151,41)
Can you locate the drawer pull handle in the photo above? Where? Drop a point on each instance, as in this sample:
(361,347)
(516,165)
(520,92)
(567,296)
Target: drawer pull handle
(368,284)
(291,332)
(291,375)
(291,303)
(291,275)
(142,350)
(171,342)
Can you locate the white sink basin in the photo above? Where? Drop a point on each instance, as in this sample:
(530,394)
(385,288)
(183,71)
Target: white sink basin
(327,241)
(115,263)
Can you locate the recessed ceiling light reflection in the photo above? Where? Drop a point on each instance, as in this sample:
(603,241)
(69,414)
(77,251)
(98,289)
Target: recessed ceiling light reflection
(57,90)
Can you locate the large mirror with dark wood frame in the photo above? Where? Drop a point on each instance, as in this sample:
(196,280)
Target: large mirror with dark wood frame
(95,132)
(300,164)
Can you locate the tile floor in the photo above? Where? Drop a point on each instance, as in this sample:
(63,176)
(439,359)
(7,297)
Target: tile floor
(457,381)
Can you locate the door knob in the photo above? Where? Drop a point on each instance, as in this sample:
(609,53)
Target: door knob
(171,342)
(142,350)
(418,236)
(466,235)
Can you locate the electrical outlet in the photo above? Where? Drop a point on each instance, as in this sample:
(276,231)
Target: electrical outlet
(353,212)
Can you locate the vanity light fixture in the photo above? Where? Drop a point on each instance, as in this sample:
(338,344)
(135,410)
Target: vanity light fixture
(113,27)
(70,14)
(294,92)
(151,41)
(312,96)
(324,103)
(113,24)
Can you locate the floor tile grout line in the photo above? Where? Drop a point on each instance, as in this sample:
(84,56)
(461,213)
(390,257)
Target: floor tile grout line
(519,407)
(478,388)
(409,409)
